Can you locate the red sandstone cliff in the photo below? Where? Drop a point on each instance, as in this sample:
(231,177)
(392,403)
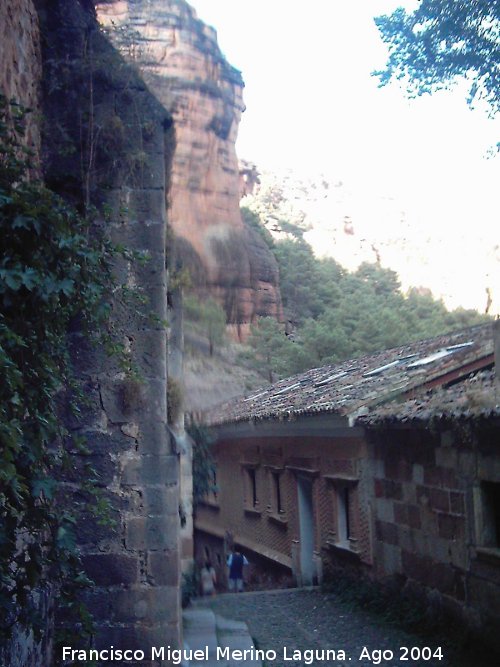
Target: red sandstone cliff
(180,59)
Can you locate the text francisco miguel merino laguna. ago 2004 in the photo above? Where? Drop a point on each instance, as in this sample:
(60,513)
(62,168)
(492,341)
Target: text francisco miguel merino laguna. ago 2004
(307,656)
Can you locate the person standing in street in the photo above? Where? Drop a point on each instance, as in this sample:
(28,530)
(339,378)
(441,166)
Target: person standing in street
(235,562)
(208,579)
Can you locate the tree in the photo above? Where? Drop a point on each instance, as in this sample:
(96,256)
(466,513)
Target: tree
(384,281)
(324,340)
(214,319)
(272,349)
(299,279)
(253,220)
(339,315)
(209,317)
(443,41)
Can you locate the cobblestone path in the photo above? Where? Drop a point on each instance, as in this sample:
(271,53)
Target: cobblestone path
(310,620)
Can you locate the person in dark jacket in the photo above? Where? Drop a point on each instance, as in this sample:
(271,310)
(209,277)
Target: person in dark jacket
(235,562)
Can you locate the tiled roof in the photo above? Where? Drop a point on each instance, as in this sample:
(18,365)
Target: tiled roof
(364,386)
(472,397)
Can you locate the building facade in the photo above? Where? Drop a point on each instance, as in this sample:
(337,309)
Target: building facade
(327,470)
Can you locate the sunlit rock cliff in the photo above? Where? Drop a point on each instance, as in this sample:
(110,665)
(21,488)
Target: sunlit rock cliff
(179,58)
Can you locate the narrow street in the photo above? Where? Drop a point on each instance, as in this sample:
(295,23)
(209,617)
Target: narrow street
(310,622)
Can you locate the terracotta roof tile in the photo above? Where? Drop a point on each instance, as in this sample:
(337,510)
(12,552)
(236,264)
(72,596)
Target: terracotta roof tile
(370,382)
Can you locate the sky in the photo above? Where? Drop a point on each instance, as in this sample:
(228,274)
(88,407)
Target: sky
(312,106)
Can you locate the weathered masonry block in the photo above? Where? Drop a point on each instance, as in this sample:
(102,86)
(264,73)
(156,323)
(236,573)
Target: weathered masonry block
(434,502)
(132,606)
(132,555)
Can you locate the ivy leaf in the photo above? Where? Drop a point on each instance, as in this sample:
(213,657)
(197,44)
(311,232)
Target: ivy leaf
(66,539)
(30,279)
(66,242)
(5,199)
(12,279)
(67,286)
(15,399)
(26,222)
(46,486)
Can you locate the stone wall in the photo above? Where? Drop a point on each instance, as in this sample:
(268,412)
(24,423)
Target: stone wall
(20,72)
(430,510)
(134,560)
(179,57)
(108,142)
(275,533)
(422,504)
(20,81)
(135,563)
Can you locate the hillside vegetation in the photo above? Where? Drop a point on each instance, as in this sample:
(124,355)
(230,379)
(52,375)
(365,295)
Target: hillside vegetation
(332,314)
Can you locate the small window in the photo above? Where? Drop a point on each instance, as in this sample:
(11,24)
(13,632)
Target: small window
(343,513)
(344,527)
(278,506)
(253,486)
(251,489)
(215,488)
(491,514)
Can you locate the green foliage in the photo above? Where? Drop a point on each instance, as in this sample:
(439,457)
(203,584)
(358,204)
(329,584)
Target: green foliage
(203,462)
(98,124)
(337,315)
(190,586)
(291,228)
(383,599)
(306,284)
(274,210)
(273,353)
(54,269)
(208,316)
(443,41)
(252,219)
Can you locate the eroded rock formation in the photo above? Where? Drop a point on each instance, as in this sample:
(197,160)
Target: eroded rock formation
(179,57)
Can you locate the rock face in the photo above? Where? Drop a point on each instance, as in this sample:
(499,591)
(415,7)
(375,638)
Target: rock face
(179,57)
(135,562)
(20,58)
(99,115)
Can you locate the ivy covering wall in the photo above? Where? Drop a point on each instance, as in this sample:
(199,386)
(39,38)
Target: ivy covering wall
(54,269)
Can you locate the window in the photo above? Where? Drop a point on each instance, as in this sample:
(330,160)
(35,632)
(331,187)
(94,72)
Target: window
(344,531)
(490,492)
(215,488)
(343,514)
(277,504)
(251,489)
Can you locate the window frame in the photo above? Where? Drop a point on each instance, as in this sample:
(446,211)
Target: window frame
(343,533)
(488,520)
(276,507)
(251,501)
